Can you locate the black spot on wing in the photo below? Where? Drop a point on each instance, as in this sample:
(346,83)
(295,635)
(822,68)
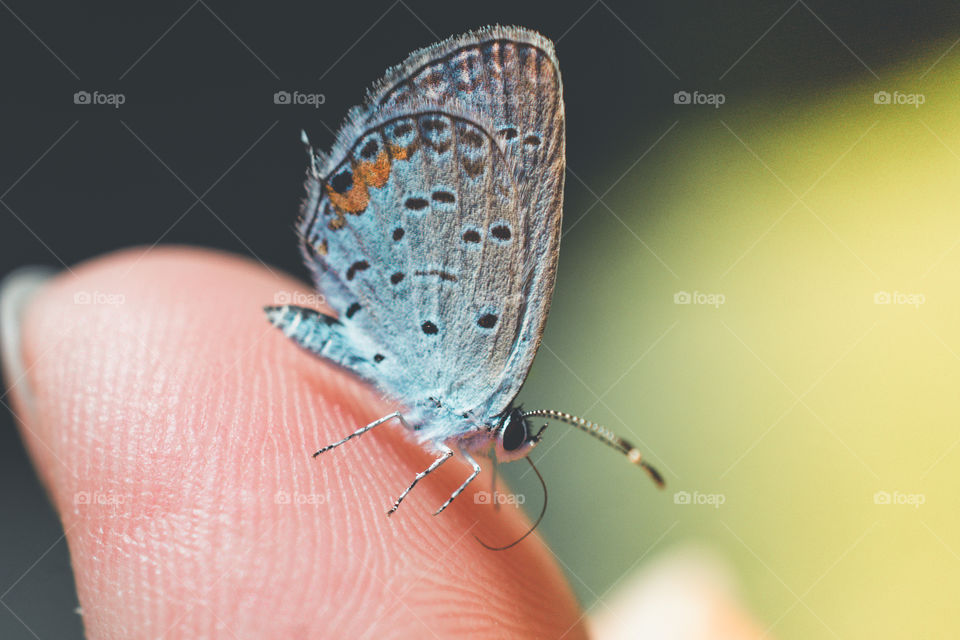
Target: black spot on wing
(356,267)
(472,167)
(429,328)
(472,138)
(500,232)
(342,182)
(369,150)
(443,275)
(434,124)
(437,134)
(445,197)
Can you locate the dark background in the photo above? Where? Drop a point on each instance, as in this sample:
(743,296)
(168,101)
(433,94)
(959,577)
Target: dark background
(200,154)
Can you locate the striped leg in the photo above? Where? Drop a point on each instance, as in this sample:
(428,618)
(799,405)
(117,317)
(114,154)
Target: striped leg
(447,453)
(360,432)
(476,472)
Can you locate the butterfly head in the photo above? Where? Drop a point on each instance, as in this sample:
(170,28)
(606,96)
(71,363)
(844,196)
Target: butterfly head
(515,438)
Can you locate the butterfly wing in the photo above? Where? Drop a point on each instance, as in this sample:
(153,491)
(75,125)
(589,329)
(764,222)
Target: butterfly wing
(433,225)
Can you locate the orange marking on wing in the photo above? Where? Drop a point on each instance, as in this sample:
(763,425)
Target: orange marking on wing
(365,175)
(376,173)
(354,200)
(398,152)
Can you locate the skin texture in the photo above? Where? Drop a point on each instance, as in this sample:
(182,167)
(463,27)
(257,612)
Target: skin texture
(174,431)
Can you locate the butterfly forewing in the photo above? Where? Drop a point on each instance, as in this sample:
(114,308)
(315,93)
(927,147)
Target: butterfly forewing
(433,225)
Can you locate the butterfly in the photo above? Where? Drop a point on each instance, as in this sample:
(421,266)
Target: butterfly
(433,228)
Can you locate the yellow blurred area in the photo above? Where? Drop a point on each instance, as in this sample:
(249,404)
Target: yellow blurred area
(806,398)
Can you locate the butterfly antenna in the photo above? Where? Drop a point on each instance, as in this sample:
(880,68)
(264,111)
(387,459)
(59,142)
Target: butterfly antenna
(604,435)
(535,524)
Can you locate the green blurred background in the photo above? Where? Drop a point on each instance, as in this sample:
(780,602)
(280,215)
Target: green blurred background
(801,396)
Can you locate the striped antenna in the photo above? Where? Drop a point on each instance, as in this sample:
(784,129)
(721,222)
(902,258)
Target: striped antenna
(604,435)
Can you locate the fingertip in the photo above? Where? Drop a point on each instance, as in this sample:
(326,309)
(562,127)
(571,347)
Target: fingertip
(186,424)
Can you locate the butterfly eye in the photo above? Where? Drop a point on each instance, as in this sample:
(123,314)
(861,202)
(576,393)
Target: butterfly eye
(514,433)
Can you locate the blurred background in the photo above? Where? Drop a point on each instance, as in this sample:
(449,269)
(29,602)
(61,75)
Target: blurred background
(758,282)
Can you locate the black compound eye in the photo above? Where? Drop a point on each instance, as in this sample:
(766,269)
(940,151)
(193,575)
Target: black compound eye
(514,432)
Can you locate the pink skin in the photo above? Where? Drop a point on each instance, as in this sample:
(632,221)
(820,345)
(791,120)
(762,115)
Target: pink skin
(183,424)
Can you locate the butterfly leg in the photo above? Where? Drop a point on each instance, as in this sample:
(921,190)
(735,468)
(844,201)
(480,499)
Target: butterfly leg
(360,432)
(446,455)
(476,472)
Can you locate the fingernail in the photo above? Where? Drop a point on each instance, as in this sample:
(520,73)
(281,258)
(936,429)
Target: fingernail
(16,291)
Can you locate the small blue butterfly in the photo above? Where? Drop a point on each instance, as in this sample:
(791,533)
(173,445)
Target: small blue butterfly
(433,229)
